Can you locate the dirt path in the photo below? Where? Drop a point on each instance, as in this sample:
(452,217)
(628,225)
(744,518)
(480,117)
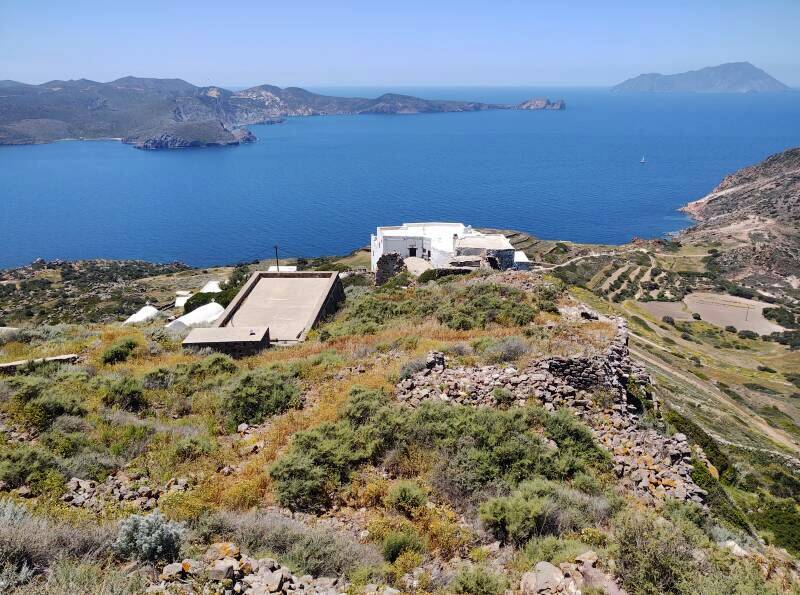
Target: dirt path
(542,267)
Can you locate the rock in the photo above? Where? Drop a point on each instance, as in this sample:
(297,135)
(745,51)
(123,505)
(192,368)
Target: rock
(220,550)
(735,548)
(192,567)
(528,584)
(588,558)
(223,569)
(548,577)
(242,428)
(171,572)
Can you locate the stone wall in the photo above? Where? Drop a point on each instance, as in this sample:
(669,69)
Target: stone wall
(650,465)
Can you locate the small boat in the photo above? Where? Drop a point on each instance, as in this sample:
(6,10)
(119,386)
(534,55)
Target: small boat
(643,160)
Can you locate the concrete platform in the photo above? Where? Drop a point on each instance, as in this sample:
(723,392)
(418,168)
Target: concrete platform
(288,303)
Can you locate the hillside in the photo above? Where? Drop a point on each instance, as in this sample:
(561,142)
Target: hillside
(753,217)
(734,77)
(464,435)
(171,113)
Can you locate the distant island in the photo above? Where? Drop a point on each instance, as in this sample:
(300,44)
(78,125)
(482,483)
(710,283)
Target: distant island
(734,77)
(154,113)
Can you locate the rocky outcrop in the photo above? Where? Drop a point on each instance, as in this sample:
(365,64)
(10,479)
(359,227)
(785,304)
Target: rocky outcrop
(223,564)
(118,489)
(540,103)
(569,578)
(602,390)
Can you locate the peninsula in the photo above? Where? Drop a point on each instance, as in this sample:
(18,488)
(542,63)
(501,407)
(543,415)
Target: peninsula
(152,113)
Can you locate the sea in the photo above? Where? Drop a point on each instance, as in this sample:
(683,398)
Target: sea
(321,185)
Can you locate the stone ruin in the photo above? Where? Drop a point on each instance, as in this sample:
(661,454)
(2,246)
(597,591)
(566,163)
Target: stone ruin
(605,391)
(388,266)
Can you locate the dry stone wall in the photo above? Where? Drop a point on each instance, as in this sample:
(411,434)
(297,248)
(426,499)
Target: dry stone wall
(650,465)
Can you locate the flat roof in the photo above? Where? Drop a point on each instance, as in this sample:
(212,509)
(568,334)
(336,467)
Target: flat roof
(520,256)
(226,334)
(487,242)
(287,302)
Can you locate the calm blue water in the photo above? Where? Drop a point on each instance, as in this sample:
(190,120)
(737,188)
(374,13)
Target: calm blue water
(321,185)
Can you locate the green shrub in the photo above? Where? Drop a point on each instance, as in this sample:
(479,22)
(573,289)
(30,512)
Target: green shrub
(191,448)
(148,538)
(406,497)
(506,350)
(125,393)
(540,507)
(259,395)
(652,556)
(20,464)
(781,519)
(397,542)
(411,367)
(781,316)
(119,351)
(477,448)
(479,581)
(553,549)
(748,335)
(503,396)
(730,329)
(718,500)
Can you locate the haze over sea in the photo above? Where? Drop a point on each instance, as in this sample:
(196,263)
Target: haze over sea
(320,185)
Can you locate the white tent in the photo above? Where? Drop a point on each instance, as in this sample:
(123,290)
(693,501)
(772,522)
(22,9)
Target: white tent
(182,297)
(211,287)
(203,316)
(143,315)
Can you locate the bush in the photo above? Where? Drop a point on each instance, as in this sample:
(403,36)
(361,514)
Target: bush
(479,581)
(36,542)
(748,335)
(668,320)
(652,556)
(506,350)
(406,497)
(554,550)
(397,542)
(148,538)
(125,393)
(540,507)
(730,329)
(696,316)
(411,367)
(503,396)
(316,551)
(259,395)
(477,449)
(119,351)
(20,465)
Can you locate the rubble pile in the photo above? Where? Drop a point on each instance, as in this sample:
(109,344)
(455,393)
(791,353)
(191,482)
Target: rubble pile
(119,488)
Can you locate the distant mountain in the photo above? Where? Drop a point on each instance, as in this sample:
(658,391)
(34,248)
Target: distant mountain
(171,113)
(735,77)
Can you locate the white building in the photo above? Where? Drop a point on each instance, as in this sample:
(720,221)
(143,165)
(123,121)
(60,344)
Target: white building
(440,243)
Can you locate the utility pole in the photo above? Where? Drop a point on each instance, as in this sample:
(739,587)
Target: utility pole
(277,262)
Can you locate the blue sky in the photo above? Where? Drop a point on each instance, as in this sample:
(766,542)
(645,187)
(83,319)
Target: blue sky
(374,43)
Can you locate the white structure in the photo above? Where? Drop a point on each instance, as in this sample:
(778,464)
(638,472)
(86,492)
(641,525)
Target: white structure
(521,261)
(181,297)
(284,268)
(439,243)
(146,313)
(203,316)
(211,287)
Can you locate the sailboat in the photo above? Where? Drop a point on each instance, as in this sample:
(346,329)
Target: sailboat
(643,160)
